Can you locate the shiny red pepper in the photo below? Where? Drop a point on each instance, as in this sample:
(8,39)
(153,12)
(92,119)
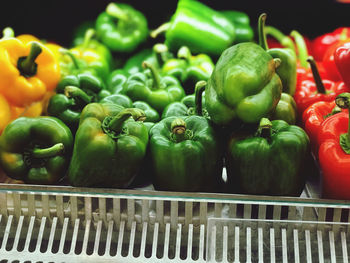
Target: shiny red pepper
(311,91)
(334,152)
(342,61)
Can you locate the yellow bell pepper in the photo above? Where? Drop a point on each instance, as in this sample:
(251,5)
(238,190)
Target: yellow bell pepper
(27,71)
(5,113)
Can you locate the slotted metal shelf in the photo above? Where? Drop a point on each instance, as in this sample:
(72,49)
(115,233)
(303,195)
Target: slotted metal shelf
(64,224)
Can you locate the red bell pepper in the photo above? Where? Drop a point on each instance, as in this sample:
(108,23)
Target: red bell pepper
(321,43)
(311,91)
(334,152)
(314,116)
(342,61)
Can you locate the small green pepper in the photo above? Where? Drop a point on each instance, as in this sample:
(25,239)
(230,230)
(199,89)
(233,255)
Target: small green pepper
(36,150)
(121,27)
(118,99)
(243,31)
(286,109)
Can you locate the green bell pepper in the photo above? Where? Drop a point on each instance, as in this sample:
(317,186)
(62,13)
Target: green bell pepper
(286,109)
(185,155)
(150,87)
(243,86)
(287,71)
(189,69)
(109,146)
(36,150)
(151,114)
(73,93)
(201,28)
(116,81)
(243,31)
(121,27)
(270,162)
(118,99)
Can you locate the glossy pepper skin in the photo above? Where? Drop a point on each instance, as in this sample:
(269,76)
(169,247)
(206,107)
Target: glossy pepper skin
(36,150)
(244,85)
(333,154)
(121,27)
(5,113)
(199,27)
(286,109)
(185,155)
(73,93)
(189,69)
(27,71)
(277,151)
(287,71)
(150,87)
(109,144)
(342,62)
(243,31)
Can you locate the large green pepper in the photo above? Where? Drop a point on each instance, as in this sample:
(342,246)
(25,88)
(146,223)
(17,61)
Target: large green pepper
(185,155)
(287,71)
(121,27)
(109,146)
(73,93)
(270,162)
(189,69)
(201,28)
(150,87)
(243,31)
(36,150)
(244,85)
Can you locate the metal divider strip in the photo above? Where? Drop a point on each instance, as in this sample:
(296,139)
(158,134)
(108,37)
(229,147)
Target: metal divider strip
(344,247)
(320,246)
(86,237)
(120,238)
(332,246)
(166,241)
(109,238)
(308,246)
(63,234)
(189,241)
(18,232)
(143,239)
(155,240)
(201,242)
(40,234)
(29,233)
(74,236)
(178,241)
(52,234)
(132,239)
(97,237)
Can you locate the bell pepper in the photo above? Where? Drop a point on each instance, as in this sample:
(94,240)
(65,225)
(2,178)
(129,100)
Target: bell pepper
(342,62)
(36,150)
(73,93)
(287,71)
(189,69)
(243,86)
(116,81)
(118,99)
(243,31)
(199,27)
(27,71)
(79,32)
(314,116)
(185,155)
(310,91)
(270,162)
(151,114)
(121,27)
(5,113)
(109,144)
(333,154)
(150,87)
(180,109)
(286,109)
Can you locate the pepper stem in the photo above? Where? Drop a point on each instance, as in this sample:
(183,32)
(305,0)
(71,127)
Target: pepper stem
(8,33)
(114,10)
(265,128)
(343,102)
(155,75)
(199,89)
(26,65)
(160,50)
(162,28)
(315,73)
(301,47)
(87,37)
(72,57)
(77,93)
(284,40)
(117,122)
(184,53)
(178,130)
(48,152)
(261,31)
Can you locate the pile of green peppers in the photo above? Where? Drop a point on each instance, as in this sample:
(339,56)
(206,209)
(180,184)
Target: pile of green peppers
(171,114)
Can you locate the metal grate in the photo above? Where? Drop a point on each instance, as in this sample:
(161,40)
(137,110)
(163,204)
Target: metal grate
(62,224)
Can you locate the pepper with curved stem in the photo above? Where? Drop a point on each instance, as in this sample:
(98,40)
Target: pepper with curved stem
(155,75)
(301,48)
(26,65)
(343,102)
(316,75)
(283,39)
(77,93)
(8,32)
(49,152)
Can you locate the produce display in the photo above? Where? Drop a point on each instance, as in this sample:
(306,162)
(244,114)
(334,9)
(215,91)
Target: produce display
(212,93)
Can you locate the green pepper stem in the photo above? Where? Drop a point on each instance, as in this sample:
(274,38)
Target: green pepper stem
(284,40)
(77,93)
(199,89)
(160,50)
(261,31)
(116,123)
(72,57)
(178,130)
(48,152)
(114,10)
(154,73)
(162,28)
(265,128)
(301,47)
(26,65)
(184,53)
(343,102)
(87,37)
(316,74)
(8,33)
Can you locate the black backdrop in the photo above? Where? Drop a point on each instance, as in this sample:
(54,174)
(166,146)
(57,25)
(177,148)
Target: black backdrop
(55,20)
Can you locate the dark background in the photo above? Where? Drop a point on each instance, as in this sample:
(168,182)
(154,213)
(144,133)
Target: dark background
(56,20)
